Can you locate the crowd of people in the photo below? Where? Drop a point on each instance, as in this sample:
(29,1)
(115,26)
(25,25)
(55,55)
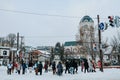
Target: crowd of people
(69,66)
(16,67)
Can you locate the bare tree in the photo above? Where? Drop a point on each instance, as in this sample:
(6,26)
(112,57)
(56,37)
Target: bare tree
(1,41)
(115,43)
(11,38)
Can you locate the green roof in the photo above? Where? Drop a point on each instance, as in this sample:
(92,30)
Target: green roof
(86,18)
(70,43)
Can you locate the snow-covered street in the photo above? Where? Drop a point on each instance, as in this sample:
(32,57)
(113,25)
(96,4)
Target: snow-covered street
(108,74)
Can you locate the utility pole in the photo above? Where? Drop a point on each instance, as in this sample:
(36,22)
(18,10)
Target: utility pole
(17,56)
(21,44)
(91,45)
(100,50)
(17,41)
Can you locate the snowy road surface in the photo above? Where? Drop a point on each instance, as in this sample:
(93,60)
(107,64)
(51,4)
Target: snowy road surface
(108,74)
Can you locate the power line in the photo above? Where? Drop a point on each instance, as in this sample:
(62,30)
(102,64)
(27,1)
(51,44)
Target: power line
(25,12)
(49,36)
(52,15)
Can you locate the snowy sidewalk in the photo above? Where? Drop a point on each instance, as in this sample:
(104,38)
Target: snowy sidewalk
(110,67)
(108,74)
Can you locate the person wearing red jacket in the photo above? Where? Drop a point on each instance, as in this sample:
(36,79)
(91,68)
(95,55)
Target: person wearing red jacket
(99,64)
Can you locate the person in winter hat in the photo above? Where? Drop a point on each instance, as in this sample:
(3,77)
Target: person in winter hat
(59,69)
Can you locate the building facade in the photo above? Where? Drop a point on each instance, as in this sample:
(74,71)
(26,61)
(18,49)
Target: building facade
(87,35)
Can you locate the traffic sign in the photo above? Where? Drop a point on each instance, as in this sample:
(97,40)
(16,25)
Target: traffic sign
(117,21)
(101,26)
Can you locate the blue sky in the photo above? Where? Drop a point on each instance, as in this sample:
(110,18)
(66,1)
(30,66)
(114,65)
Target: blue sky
(47,30)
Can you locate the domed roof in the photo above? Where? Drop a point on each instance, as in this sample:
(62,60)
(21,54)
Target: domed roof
(86,19)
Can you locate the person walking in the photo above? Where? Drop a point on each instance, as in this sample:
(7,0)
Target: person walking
(46,66)
(36,68)
(82,65)
(18,68)
(99,64)
(94,65)
(54,67)
(23,67)
(40,67)
(30,66)
(67,66)
(90,66)
(75,66)
(13,66)
(59,69)
(9,67)
(86,66)
(71,69)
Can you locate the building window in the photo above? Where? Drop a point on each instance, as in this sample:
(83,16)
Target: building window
(4,52)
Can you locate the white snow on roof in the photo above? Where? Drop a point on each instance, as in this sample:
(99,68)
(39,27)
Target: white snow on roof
(44,52)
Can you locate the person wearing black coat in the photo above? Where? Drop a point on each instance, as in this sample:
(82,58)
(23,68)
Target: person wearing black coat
(40,67)
(54,67)
(76,66)
(23,67)
(30,65)
(86,66)
(71,69)
(67,66)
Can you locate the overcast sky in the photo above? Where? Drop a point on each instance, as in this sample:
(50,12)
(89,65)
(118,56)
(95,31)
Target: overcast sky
(41,28)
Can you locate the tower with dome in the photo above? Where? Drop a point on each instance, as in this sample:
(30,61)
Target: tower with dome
(86,32)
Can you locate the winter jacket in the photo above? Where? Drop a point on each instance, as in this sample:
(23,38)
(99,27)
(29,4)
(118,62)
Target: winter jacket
(40,66)
(24,66)
(9,66)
